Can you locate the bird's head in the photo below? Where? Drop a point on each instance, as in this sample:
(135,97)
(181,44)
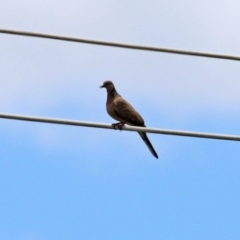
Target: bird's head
(108,85)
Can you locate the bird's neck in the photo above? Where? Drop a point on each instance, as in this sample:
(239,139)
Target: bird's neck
(113,93)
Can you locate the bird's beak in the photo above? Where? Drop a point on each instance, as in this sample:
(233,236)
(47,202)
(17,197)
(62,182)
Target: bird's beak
(101,86)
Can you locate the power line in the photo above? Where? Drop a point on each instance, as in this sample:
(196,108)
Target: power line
(121,45)
(127,128)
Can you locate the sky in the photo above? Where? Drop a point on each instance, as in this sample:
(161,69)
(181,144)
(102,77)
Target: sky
(67,182)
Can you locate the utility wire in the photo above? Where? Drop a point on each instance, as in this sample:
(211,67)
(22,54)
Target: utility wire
(121,45)
(128,128)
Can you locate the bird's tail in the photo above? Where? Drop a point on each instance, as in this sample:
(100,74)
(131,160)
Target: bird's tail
(144,137)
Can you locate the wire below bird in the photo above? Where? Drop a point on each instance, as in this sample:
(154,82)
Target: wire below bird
(126,128)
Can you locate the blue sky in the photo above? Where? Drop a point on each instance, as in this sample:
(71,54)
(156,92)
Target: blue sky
(65,182)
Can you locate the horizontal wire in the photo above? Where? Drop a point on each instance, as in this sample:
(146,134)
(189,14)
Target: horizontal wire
(121,45)
(127,128)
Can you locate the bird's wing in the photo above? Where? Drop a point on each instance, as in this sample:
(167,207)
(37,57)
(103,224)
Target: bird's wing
(125,111)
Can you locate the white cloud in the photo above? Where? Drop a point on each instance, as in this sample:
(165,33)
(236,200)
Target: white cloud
(61,79)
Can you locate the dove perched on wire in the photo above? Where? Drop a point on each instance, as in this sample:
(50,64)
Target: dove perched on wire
(122,111)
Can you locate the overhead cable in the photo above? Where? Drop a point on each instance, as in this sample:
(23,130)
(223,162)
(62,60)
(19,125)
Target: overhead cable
(126,128)
(121,45)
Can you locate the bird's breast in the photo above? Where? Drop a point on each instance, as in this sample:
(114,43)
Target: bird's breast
(111,106)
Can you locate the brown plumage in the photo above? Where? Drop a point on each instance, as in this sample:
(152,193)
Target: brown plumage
(122,111)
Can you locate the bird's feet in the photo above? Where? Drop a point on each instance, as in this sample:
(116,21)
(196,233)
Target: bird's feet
(118,125)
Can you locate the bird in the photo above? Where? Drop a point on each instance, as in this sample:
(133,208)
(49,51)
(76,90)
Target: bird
(119,109)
